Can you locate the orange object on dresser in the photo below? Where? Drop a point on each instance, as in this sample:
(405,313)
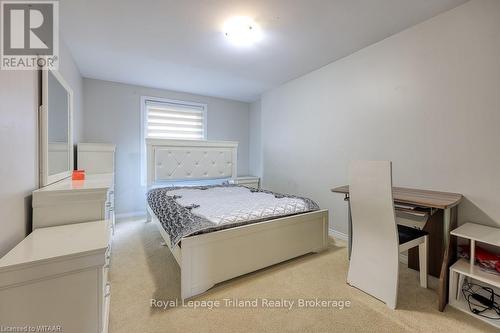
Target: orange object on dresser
(78,175)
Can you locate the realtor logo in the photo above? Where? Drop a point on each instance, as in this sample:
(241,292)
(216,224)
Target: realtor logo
(29,34)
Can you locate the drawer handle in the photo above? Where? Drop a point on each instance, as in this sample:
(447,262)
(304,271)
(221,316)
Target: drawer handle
(108,290)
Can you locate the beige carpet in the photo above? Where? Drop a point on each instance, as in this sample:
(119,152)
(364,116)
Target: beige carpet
(142,269)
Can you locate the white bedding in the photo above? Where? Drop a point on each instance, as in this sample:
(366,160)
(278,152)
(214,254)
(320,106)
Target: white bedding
(222,205)
(200,182)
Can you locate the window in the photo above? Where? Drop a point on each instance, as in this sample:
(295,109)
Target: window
(167,119)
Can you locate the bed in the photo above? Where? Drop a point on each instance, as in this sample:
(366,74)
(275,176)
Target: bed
(220,244)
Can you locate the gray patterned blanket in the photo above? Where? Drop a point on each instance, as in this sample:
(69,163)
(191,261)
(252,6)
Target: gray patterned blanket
(181,219)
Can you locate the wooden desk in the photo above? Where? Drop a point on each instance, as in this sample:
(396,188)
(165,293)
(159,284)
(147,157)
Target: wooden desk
(443,218)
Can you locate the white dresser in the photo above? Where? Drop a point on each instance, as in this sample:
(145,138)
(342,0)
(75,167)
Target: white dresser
(57,276)
(74,201)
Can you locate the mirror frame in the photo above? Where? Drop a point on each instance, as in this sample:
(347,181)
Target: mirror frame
(45,178)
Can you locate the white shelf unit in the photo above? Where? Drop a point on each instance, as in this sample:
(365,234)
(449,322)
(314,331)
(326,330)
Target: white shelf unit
(463,268)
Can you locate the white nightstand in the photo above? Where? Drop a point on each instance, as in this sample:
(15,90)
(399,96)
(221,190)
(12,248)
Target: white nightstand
(248,181)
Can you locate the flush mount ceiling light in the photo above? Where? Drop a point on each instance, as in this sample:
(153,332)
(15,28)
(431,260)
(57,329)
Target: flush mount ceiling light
(242,31)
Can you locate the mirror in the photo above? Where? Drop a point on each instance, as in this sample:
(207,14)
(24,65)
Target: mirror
(56,144)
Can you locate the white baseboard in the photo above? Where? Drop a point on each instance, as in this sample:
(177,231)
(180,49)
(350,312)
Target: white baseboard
(130,216)
(337,235)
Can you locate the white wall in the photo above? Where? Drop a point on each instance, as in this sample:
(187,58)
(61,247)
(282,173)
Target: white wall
(19,100)
(427,98)
(113,114)
(255,150)
(19,151)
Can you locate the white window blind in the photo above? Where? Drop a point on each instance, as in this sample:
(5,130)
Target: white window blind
(175,120)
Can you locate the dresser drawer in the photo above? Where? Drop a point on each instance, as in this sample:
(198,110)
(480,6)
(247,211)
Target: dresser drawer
(70,201)
(106,285)
(67,213)
(110,196)
(106,290)
(105,312)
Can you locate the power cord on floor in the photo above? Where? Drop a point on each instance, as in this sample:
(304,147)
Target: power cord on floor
(481,299)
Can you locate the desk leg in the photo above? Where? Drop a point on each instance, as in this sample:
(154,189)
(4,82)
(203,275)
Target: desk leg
(446,227)
(349,230)
(449,222)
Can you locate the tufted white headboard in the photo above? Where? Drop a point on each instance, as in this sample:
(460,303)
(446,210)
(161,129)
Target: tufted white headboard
(173,160)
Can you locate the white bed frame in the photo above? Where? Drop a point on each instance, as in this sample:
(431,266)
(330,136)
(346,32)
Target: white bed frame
(210,258)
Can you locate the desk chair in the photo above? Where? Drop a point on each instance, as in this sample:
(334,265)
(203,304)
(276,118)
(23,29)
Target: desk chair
(376,238)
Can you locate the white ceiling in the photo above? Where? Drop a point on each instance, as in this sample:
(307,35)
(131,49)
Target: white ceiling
(178,44)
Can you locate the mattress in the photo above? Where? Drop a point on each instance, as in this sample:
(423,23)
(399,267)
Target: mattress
(185,211)
(191,183)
